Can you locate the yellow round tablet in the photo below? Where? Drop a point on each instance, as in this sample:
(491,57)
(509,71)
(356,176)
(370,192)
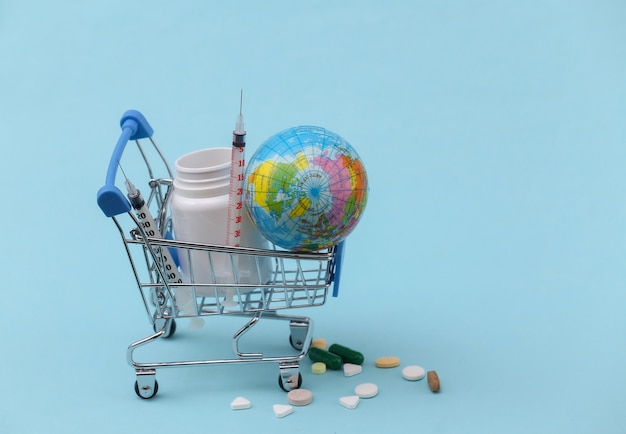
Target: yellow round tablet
(318,368)
(387,362)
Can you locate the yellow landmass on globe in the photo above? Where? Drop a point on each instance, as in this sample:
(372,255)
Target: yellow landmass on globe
(301,161)
(261,178)
(301,208)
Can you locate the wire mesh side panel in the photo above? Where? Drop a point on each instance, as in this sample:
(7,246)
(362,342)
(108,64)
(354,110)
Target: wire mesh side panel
(147,265)
(295,280)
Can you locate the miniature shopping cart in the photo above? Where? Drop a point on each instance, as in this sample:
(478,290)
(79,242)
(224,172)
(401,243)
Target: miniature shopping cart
(297,280)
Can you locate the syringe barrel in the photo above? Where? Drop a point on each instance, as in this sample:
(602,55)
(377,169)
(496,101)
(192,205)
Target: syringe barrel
(151,229)
(136,200)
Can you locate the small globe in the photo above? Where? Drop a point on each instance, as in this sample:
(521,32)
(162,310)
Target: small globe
(306,188)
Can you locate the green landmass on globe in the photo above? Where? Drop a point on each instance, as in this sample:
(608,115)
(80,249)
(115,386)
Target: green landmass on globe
(306,188)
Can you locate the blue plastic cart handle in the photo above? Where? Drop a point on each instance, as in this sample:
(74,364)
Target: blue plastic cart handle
(110,199)
(338,260)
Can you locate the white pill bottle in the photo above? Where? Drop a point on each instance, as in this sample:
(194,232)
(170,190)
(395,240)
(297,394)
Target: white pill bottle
(199,207)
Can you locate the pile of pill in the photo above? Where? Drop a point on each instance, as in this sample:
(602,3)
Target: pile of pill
(337,357)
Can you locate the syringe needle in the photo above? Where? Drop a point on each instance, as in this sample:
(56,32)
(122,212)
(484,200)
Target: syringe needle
(130,187)
(239,127)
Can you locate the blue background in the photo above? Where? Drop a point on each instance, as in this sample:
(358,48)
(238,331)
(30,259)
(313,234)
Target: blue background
(492,248)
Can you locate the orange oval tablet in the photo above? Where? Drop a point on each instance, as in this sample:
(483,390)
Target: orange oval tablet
(387,362)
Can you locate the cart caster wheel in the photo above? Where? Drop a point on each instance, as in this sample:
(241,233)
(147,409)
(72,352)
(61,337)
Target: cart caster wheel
(170,328)
(297,382)
(146,392)
(297,343)
(298,333)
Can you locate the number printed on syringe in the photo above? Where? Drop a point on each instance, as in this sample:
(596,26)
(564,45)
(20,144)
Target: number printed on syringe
(151,229)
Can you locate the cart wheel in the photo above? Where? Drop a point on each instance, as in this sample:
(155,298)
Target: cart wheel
(298,333)
(287,389)
(297,344)
(172,330)
(147,392)
(169,331)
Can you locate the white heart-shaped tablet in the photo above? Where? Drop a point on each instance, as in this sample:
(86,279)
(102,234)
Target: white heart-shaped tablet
(240,403)
(349,401)
(350,369)
(281,410)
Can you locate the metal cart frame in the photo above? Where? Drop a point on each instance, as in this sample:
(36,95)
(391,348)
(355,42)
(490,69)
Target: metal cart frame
(297,280)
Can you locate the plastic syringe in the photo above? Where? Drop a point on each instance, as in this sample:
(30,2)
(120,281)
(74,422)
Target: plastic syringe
(235,193)
(152,230)
(235,196)
(184,299)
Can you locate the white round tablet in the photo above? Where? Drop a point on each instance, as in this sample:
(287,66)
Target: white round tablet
(366,390)
(413,373)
